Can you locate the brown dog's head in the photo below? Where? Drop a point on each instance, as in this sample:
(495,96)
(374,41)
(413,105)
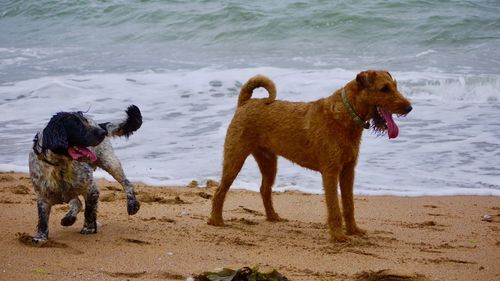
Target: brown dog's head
(379,98)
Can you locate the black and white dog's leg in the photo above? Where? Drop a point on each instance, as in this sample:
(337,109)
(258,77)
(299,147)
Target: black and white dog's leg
(112,165)
(91,200)
(75,205)
(133,204)
(42,234)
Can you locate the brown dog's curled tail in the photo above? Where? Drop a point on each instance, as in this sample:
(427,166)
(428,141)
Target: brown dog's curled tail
(256,82)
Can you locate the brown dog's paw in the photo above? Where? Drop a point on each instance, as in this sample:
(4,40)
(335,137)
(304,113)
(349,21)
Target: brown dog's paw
(356,231)
(215,222)
(340,238)
(276,218)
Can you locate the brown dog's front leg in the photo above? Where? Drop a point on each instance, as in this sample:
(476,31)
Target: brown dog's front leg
(330,185)
(346,188)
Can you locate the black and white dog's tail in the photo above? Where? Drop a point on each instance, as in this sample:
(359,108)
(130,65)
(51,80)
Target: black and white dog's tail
(126,127)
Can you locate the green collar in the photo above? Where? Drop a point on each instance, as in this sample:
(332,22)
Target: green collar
(355,117)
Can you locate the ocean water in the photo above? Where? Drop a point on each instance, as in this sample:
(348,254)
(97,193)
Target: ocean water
(183,62)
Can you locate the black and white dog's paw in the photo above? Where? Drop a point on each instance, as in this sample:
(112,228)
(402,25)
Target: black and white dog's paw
(133,205)
(68,220)
(39,240)
(89,230)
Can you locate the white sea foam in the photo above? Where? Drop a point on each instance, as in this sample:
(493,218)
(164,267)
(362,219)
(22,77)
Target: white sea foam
(448,145)
(424,53)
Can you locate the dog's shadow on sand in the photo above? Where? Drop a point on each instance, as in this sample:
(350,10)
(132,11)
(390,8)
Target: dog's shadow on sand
(26,240)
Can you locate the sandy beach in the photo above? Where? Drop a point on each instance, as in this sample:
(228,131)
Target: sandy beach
(415,238)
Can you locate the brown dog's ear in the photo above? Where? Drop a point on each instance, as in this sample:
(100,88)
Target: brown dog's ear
(389,74)
(365,78)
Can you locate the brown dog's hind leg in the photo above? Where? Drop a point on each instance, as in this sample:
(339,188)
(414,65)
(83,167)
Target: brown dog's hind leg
(268,165)
(234,157)
(330,184)
(346,188)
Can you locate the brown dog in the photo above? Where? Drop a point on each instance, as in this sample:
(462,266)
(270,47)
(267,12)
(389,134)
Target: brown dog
(322,135)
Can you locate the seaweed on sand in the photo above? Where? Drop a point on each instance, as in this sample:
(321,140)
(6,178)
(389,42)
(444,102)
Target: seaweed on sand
(242,274)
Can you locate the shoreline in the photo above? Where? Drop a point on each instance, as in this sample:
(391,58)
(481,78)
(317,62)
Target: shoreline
(423,238)
(101,175)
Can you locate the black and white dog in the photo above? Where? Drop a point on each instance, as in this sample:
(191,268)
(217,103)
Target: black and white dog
(64,156)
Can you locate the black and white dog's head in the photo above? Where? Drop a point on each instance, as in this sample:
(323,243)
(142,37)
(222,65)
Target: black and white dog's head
(70,134)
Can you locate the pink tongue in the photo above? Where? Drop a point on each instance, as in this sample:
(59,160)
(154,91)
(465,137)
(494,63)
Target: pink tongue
(392,128)
(82,152)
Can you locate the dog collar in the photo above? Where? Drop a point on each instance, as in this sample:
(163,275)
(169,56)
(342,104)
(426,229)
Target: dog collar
(354,115)
(40,155)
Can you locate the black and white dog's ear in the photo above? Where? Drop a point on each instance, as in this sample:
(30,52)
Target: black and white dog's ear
(104,126)
(54,135)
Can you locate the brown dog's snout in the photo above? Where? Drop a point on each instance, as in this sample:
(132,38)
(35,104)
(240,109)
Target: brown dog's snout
(408,109)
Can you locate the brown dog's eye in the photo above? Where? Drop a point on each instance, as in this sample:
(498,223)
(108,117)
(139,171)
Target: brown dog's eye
(385,89)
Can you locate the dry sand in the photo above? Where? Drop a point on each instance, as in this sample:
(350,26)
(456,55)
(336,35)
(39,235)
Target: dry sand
(423,238)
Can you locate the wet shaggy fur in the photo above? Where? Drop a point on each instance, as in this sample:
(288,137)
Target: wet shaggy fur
(58,178)
(321,135)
